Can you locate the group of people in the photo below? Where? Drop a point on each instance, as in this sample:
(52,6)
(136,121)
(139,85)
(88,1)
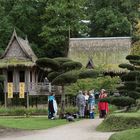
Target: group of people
(85,102)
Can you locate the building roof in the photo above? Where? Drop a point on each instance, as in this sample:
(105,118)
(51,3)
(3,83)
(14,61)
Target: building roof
(18,53)
(107,52)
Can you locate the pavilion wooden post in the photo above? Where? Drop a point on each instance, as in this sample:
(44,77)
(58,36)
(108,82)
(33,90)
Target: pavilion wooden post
(5,100)
(27,100)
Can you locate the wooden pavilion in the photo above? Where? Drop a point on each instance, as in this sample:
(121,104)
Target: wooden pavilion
(18,66)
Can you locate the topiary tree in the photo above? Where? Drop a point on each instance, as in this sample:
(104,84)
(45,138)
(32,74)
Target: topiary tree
(63,72)
(131,79)
(130,88)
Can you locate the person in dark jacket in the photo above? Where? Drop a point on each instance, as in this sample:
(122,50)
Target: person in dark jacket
(52,106)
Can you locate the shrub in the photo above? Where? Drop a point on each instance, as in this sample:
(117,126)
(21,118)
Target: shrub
(21,111)
(119,101)
(120,121)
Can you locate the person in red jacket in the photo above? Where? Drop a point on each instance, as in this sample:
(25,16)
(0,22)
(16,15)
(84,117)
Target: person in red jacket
(103,106)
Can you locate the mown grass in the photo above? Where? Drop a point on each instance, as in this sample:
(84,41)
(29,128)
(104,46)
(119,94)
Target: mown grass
(120,121)
(132,134)
(32,123)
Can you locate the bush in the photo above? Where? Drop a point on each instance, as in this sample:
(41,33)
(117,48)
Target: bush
(120,121)
(21,111)
(119,101)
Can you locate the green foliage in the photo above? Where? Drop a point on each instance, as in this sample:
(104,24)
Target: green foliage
(134,94)
(136,48)
(53,75)
(130,81)
(120,121)
(113,17)
(65,79)
(107,83)
(132,134)
(119,101)
(47,63)
(67,66)
(2,78)
(25,16)
(62,60)
(128,66)
(89,74)
(60,18)
(133,57)
(109,22)
(21,111)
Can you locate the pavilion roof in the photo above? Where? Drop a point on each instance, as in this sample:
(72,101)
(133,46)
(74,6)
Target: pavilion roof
(28,59)
(23,44)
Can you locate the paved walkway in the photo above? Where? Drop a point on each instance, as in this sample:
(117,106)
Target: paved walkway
(81,130)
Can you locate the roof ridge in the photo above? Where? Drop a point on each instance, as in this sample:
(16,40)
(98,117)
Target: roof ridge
(24,45)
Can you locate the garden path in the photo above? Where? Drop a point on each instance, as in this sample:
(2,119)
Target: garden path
(81,130)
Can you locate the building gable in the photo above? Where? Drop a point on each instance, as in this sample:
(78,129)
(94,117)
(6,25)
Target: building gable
(19,48)
(15,51)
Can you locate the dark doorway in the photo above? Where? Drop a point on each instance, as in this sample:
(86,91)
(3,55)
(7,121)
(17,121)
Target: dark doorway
(22,76)
(10,76)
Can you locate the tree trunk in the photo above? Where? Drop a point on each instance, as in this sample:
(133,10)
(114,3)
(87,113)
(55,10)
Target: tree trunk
(62,107)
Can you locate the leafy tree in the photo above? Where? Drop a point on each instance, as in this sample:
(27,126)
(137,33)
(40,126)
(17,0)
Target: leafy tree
(62,19)
(135,48)
(119,12)
(109,22)
(25,16)
(96,83)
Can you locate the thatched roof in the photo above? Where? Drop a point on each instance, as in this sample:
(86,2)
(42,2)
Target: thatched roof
(15,63)
(18,53)
(108,52)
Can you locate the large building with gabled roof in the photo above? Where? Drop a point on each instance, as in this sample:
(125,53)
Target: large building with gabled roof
(105,52)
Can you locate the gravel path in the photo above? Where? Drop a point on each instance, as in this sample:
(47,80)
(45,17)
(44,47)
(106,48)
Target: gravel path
(81,130)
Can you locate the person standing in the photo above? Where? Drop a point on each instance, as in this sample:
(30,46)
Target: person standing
(81,103)
(103,106)
(91,104)
(86,94)
(52,106)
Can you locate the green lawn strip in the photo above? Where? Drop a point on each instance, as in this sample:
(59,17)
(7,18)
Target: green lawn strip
(120,121)
(31,123)
(132,134)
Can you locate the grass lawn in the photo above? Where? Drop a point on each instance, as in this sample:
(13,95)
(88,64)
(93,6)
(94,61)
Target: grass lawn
(32,123)
(132,134)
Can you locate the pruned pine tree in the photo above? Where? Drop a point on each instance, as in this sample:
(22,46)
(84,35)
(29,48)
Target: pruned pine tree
(63,72)
(130,81)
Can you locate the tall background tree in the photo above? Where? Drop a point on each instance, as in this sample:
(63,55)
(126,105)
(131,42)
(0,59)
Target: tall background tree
(49,22)
(25,17)
(113,17)
(62,19)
